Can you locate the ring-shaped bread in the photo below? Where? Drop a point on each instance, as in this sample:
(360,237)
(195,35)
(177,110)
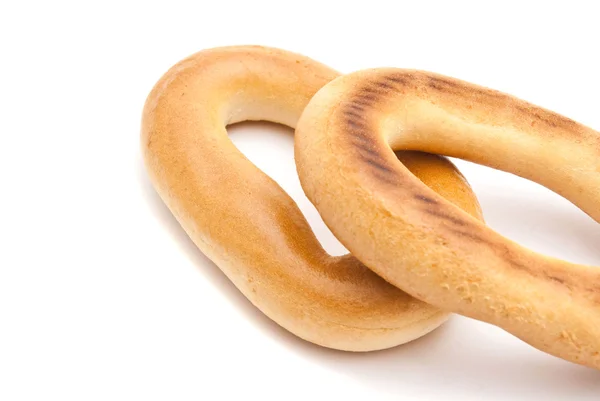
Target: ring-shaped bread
(427,246)
(244,222)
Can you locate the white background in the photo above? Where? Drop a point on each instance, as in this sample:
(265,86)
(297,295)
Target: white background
(102,295)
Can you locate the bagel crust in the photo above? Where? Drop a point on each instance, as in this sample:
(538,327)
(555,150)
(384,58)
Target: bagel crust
(244,222)
(427,246)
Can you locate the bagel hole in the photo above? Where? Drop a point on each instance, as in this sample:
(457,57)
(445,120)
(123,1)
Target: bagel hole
(270,147)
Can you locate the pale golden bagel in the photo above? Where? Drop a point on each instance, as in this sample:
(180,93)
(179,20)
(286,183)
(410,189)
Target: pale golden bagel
(243,221)
(427,246)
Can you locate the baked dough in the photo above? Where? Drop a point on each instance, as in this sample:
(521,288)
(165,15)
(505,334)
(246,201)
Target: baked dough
(424,244)
(243,221)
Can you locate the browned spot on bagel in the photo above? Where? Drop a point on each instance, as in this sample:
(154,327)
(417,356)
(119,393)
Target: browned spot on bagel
(353,123)
(550,274)
(425,199)
(401,79)
(361,141)
(378,164)
(371,90)
(365,99)
(453,87)
(384,85)
(554,278)
(442,81)
(356,120)
(366,96)
(520,266)
(363,102)
(390,179)
(356,107)
(435,86)
(497,98)
(366,148)
(351,114)
(507,255)
(546,117)
(469,235)
(359,135)
(444,216)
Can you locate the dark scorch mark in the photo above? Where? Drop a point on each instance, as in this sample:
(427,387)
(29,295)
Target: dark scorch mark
(549,118)
(357,125)
(378,164)
(425,199)
(384,85)
(469,235)
(351,114)
(401,79)
(368,150)
(444,216)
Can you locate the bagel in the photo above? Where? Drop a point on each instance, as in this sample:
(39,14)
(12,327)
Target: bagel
(247,225)
(425,245)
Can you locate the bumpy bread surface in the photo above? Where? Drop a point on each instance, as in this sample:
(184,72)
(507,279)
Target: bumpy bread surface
(243,221)
(427,246)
